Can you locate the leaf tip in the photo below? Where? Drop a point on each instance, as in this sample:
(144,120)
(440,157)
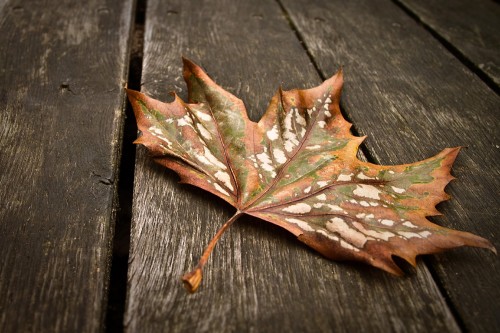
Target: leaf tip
(185,59)
(469,239)
(189,66)
(340,71)
(192,280)
(140,140)
(486,244)
(450,154)
(132,94)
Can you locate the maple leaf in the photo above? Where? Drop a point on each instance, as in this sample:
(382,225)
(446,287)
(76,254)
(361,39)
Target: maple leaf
(297,168)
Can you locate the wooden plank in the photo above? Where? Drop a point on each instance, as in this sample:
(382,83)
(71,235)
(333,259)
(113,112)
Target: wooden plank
(413,98)
(260,278)
(62,68)
(471,27)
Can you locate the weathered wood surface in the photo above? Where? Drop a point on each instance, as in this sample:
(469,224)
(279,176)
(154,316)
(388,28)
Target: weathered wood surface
(62,69)
(413,98)
(471,27)
(259,279)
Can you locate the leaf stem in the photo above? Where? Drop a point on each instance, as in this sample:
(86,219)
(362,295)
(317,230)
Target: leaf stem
(192,279)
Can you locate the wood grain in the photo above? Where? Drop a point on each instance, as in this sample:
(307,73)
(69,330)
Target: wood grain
(413,98)
(62,68)
(471,27)
(260,278)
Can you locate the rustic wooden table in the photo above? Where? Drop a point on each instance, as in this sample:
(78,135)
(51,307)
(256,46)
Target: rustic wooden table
(420,76)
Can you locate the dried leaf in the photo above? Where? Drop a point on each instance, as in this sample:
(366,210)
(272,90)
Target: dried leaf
(297,168)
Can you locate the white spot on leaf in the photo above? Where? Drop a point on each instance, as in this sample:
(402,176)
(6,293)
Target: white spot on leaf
(289,146)
(338,225)
(203,159)
(213,160)
(321,197)
(204,132)
(324,233)
(387,222)
(367,191)
(344,178)
(384,235)
(279,155)
(203,116)
(301,224)
(224,178)
(289,135)
(300,208)
(409,224)
(363,176)
(425,233)
(348,246)
(272,134)
(184,121)
(266,162)
(220,189)
(397,189)
(335,208)
(299,119)
(155,131)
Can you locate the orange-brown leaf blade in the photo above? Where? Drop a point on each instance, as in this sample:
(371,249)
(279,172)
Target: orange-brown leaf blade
(297,168)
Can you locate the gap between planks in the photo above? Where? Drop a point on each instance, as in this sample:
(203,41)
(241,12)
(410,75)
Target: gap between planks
(117,293)
(450,48)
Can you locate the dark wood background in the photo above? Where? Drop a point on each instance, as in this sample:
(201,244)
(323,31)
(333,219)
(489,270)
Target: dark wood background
(95,237)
